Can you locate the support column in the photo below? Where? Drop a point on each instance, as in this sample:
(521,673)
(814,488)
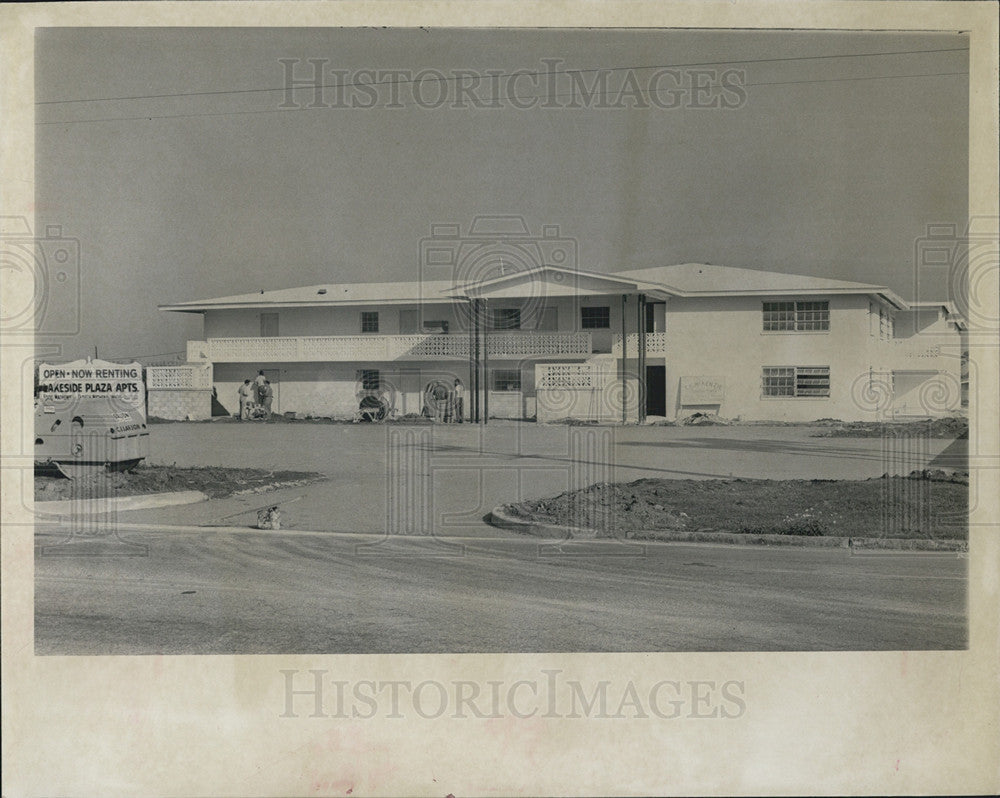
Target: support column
(473,364)
(624,357)
(475,356)
(486,364)
(641,315)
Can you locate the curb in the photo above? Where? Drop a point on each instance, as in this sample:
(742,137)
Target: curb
(73,507)
(499,518)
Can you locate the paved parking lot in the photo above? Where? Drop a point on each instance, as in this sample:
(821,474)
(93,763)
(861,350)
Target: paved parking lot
(444,479)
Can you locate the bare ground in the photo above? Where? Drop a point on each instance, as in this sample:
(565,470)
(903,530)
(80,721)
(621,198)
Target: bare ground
(215,482)
(923,505)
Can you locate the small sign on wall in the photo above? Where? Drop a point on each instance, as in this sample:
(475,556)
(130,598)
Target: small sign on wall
(702,390)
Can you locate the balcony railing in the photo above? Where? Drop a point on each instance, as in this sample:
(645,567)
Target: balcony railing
(375,348)
(656,344)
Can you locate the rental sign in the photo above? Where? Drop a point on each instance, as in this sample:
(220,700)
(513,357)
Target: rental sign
(120,383)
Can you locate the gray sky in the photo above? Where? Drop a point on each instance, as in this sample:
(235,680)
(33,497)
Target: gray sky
(832,165)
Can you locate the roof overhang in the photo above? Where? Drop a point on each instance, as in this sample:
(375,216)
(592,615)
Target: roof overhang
(554,281)
(201,307)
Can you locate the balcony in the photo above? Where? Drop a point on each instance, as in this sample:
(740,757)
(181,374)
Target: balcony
(656,344)
(382,348)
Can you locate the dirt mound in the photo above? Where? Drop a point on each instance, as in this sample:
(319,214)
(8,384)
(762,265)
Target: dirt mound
(952,427)
(924,504)
(216,482)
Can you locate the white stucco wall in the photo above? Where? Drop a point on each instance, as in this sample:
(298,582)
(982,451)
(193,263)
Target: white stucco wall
(725,336)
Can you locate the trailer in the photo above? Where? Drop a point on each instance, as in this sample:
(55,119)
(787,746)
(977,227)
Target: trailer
(88,436)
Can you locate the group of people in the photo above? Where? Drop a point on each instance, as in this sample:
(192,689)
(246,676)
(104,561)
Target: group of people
(449,402)
(255,398)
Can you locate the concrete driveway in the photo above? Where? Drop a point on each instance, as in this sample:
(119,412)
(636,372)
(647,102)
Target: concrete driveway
(444,479)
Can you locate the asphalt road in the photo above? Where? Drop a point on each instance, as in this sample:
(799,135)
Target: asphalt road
(217,592)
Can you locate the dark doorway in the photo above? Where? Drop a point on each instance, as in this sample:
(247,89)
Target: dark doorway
(656,390)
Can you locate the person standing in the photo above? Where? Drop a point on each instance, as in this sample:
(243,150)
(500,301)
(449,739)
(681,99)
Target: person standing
(246,392)
(267,394)
(258,387)
(440,394)
(458,402)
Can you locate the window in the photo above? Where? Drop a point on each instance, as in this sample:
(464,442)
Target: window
(595,318)
(370,379)
(369,321)
(796,381)
(435,327)
(797,316)
(506,318)
(506,380)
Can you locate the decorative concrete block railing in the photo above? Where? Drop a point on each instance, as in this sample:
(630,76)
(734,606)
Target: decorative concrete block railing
(656,344)
(179,392)
(179,378)
(380,348)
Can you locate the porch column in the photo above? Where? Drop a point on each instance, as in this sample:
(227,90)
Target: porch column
(641,316)
(475,360)
(473,364)
(624,354)
(486,363)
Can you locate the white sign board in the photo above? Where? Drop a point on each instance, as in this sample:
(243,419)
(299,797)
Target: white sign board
(120,383)
(702,390)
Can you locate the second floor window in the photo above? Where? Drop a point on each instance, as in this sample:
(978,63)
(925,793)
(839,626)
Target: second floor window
(506,318)
(369,321)
(796,316)
(595,318)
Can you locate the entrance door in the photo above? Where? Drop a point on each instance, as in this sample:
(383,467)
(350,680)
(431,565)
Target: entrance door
(656,390)
(268,325)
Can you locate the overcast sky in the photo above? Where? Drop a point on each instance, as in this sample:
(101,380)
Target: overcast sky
(835,158)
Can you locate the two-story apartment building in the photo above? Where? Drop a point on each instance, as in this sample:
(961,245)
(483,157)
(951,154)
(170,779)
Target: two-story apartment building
(552,343)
